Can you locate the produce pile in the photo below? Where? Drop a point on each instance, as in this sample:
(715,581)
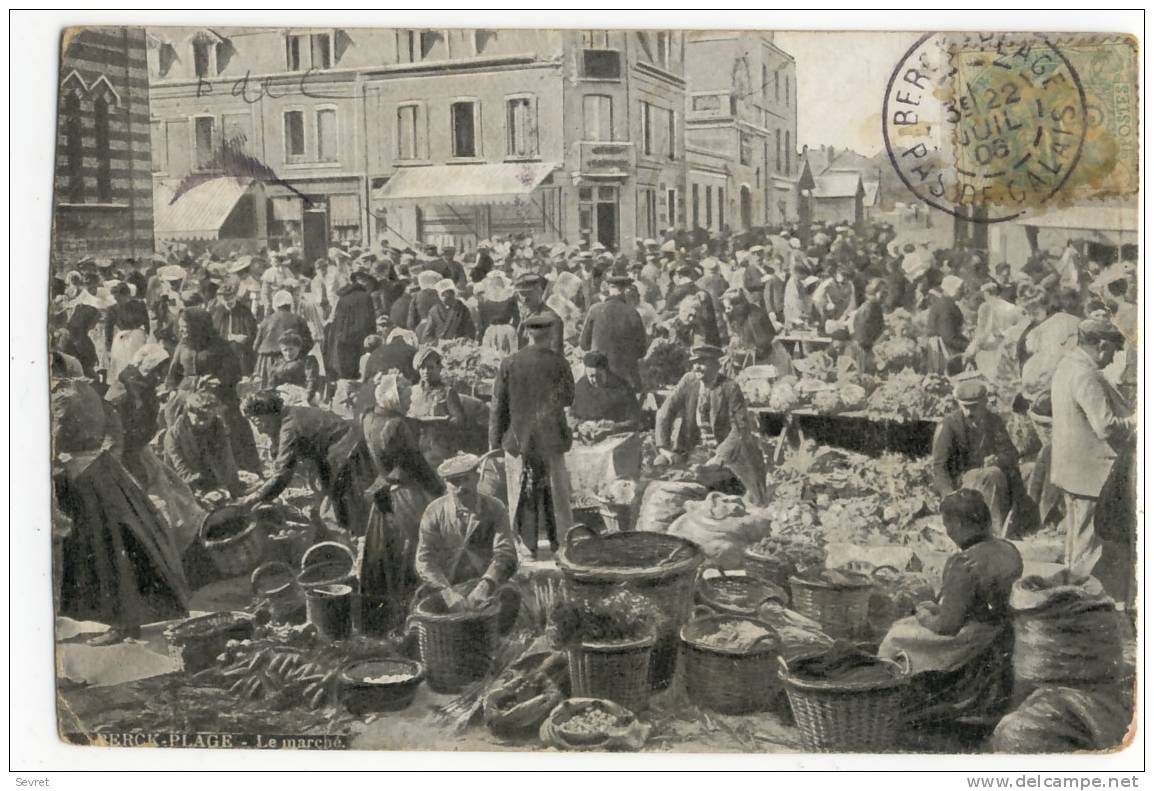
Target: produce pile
(590,432)
(908,395)
(735,635)
(621,616)
(898,348)
(663,365)
(468,365)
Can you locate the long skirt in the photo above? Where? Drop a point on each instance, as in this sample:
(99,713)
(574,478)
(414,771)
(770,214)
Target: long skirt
(388,575)
(119,562)
(265,362)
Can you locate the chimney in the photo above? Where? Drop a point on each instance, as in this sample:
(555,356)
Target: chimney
(829,156)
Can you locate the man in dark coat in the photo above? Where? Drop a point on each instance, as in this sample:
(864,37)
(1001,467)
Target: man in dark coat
(399,310)
(973,450)
(685,287)
(424,299)
(530,393)
(773,291)
(899,292)
(454,270)
(602,395)
(235,323)
(615,328)
(531,302)
(392,355)
(484,263)
(353,319)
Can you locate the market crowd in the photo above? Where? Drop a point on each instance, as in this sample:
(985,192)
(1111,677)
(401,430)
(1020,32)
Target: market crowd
(222,379)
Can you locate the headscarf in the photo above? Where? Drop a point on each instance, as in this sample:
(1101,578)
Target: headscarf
(282,299)
(408,336)
(390,392)
(149,356)
(424,353)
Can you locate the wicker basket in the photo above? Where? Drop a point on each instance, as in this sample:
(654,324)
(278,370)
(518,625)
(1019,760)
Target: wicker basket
(842,610)
(617,671)
(593,567)
(237,551)
(275,582)
(618,517)
(457,648)
(729,681)
(736,594)
(861,717)
(327,563)
(194,644)
(768,569)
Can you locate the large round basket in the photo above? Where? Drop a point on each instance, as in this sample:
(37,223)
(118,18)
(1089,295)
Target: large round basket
(736,594)
(194,644)
(276,583)
(846,717)
(617,671)
(457,648)
(842,610)
(660,567)
(765,568)
(724,680)
(235,544)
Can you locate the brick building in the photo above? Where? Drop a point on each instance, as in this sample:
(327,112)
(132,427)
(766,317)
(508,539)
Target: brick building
(102,203)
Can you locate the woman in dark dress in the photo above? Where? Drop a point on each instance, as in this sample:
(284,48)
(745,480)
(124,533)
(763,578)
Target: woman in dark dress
(405,484)
(76,341)
(118,563)
(202,353)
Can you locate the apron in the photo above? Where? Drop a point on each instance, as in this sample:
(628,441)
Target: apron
(125,344)
(501,337)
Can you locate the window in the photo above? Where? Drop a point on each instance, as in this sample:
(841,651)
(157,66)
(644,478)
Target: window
(327,134)
(788,153)
(597,114)
(464,129)
(696,216)
(720,208)
(649,207)
(708,206)
(204,134)
(408,126)
(73,148)
(304,51)
(746,148)
(777,86)
(787,90)
(482,39)
(599,62)
(103,152)
(408,46)
(777,143)
(294,136)
(433,45)
(202,52)
(176,155)
(671,206)
(521,127)
(159,146)
(671,133)
(663,46)
(764,82)
(647,128)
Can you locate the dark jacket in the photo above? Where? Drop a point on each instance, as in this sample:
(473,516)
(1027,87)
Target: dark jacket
(483,266)
(961,445)
(868,325)
(306,434)
(202,457)
(615,329)
(396,453)
(756,332)
(556,342)
(725,410)
(394,356)
(278,323)
(773,295)
(899,293)
(216,359)
(353,320)
(132,315)
(399,312)
(945,321)
(447,323)
(530,393)
(615,401)
(492,313)
(976,585)
(237,320)
(304,372)
(419,307)
(706,313)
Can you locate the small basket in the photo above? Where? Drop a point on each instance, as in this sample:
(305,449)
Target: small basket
(768,569)
(327,563)
(238,552)
(195,644)
(858,717)
(729,681)
(457,648)
(276,583)
(842,610)
(617,517)
(617,671)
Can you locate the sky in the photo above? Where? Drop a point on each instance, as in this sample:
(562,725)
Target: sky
(841,80)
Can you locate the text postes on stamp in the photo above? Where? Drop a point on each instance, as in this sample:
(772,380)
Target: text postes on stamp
(984,126)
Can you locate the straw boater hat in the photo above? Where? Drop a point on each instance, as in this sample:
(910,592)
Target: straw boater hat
(172,272)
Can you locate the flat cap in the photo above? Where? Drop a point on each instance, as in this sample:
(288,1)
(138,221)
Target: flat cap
(705,352)
(540,321)
(456,466)
(970,391)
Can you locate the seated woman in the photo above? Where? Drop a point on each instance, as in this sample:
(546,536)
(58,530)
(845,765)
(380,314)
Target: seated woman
(295,367)
(465,547)
(603,395)
(960,648)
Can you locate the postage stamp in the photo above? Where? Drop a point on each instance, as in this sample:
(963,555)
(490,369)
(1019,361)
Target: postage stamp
(989,126)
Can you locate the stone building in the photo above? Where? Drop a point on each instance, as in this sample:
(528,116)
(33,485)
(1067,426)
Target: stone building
(102,203)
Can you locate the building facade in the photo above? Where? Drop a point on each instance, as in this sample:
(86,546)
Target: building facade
(741,131)
(418,136)
(102,204)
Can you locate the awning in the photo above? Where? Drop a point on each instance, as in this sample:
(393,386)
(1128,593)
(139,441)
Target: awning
(199,212)
(1111,224)
(466,184)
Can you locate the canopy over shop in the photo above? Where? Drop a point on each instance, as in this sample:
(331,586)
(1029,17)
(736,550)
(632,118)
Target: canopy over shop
(1103,233)
(462,204)
(219,213)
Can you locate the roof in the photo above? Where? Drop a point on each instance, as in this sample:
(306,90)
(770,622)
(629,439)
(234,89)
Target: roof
(837,185)
(871,192)
(466,184)
(199,211)
(1119,219)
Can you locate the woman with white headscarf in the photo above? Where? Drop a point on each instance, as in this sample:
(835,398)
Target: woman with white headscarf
(405,484)
(281,320)
(497,312)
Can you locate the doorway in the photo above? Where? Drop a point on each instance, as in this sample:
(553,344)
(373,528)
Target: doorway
(598,215)
(315,231)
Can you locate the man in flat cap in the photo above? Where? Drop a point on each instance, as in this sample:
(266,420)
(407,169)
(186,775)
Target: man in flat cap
(603,395)
(614,328)
(973,450)
(685,287)
(530,288)
(1093,426)
(531,391)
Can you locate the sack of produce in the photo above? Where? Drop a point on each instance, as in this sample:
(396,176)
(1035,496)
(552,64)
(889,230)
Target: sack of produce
(1066,629)
(720,525)
(519,703)
(593,724)
(664,501)
(851,396)
(1065,720)
(784,397)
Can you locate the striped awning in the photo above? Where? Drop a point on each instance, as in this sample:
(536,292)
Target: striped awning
(198,212)
(477,185)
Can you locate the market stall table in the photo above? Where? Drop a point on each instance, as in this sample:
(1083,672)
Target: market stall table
(863,432)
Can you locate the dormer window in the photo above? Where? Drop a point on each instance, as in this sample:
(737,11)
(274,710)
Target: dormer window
(206,46)
(310,50)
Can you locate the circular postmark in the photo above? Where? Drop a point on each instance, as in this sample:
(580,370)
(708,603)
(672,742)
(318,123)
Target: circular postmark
(984,126)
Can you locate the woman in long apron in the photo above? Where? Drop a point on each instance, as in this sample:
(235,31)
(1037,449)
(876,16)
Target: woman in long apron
(126,328)
(405,484)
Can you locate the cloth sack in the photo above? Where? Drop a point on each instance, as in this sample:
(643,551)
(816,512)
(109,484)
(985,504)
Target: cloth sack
(664,501)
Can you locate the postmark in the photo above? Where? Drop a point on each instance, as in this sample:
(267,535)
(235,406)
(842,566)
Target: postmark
(985,126)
